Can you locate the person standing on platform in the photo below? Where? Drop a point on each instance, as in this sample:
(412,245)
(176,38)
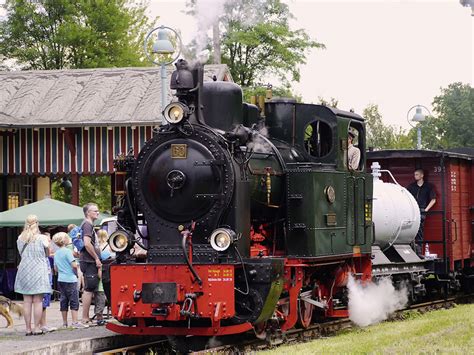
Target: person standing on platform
(66,267)
(32,279)
(425,196)
(47,296)
(89,258)
(99,297)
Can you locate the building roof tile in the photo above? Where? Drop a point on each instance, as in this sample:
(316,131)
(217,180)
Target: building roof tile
(86,97)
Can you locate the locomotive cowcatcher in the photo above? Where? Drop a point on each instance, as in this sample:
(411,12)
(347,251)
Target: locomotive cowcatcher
(249,216)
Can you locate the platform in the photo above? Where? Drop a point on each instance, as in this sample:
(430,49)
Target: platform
(61,341)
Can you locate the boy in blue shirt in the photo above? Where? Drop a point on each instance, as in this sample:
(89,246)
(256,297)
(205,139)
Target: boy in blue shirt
(65,265)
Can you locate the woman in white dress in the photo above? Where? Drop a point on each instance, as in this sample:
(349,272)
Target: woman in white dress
(32,277)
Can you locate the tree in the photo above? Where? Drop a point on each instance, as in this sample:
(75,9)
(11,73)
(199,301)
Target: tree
(453,126)
(256,41)
(455,109)
(332,102)
(58,192)
(10,64)
(401,140)
(277,91)
(94,188)
(433,135)
(57,34)
(381,136)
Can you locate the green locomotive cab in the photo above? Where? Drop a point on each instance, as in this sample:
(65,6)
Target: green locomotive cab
(302,177)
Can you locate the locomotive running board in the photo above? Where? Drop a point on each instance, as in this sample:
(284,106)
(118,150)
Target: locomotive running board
(209,331)
(396,253)
(378,257)
(407,253)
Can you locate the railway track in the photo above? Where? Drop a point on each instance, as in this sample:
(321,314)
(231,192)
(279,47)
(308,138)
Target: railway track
(162,344)
(245,344)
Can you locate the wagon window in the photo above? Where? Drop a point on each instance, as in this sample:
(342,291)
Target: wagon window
(318,138)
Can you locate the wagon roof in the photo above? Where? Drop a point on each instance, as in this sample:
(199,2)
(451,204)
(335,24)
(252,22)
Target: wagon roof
(384,154)
(86,97)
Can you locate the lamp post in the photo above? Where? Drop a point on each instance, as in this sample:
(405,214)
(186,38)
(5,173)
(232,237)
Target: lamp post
(418,117)
(163,48)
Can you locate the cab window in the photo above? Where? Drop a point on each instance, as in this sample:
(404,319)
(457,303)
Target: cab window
(355,152)
(318,139)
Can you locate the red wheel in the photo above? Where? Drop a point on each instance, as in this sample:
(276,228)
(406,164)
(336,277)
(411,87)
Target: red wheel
(305,314)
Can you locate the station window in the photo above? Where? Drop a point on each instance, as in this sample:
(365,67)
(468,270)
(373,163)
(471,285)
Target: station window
(19,191)
(318,138)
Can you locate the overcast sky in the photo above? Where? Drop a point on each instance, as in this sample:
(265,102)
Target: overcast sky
(392,53)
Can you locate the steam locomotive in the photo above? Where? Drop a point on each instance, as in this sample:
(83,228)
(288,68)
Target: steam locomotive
(250,217)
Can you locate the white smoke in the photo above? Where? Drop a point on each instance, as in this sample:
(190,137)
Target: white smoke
(247,13)
(258,144)
(208,13)
(373,302)
(203,56)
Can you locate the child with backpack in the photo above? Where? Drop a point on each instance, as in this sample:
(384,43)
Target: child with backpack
(99,296)
(65,265)
(74,232)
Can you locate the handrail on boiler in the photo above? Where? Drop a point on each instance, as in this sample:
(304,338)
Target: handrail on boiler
(389,173)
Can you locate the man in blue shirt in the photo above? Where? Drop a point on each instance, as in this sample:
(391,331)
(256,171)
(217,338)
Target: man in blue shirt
(66,266)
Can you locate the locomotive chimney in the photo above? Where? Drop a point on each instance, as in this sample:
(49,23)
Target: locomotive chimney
(182,79)
(188,83)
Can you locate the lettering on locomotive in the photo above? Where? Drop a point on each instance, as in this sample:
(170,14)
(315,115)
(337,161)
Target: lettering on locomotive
(220,275)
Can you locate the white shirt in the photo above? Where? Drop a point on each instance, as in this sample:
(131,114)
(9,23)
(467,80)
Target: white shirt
(353,157)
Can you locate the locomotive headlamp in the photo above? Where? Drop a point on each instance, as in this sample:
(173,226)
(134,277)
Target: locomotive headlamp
(221,239)
(118,241)
(175,112)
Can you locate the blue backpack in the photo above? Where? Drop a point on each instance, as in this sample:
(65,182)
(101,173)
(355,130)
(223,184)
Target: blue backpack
(76,236)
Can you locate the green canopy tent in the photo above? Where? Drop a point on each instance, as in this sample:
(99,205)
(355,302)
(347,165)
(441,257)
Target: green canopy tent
(50,213)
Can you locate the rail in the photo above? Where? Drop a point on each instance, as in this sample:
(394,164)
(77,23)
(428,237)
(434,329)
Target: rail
(243,344)
(319,330)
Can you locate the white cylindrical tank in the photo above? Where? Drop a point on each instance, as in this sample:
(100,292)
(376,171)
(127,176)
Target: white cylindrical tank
(395,212)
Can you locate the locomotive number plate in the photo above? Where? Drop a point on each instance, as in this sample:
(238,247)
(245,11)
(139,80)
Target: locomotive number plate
(159,292)
(331,220)
(179,151)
